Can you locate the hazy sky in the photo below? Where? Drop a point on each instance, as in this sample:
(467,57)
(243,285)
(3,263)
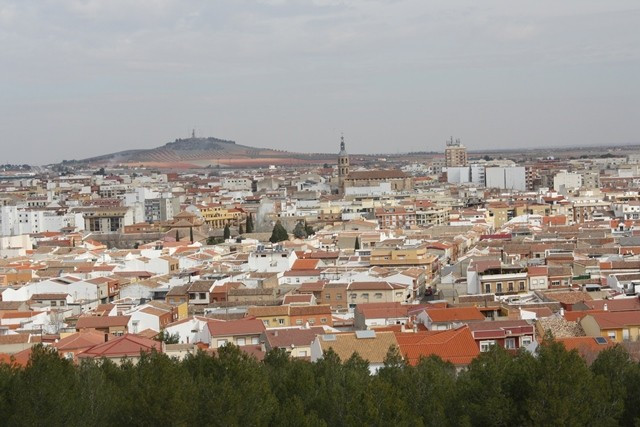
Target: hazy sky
(82,78)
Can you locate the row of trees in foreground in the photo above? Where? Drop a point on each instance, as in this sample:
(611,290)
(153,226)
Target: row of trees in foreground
(555,387)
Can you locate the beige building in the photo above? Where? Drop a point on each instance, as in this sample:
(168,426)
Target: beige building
(367,292)
(455,155)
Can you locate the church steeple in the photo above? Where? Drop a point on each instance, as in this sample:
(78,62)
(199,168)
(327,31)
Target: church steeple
(343,163)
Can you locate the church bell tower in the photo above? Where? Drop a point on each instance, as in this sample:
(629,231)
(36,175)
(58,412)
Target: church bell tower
(343,163)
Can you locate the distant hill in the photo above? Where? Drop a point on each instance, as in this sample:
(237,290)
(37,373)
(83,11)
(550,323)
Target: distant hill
(203,152)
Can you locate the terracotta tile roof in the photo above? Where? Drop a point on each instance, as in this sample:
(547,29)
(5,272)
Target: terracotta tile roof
(305,264)
(372,349)
(127,345)
(221,328)
(309,310)
(585,345)
(538,270)
(201,286)
(312,287)
(268,311)
(572,297)
(80,340)
(52,296)
(285,337)
(297,298)
(383,310)
(101,321)
(454,345)
(377,174)
(455,314)
(615,304)
(616,319)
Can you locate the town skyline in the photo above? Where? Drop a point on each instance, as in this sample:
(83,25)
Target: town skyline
(291,75)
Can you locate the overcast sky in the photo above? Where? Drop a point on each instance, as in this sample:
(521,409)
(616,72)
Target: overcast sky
(82,78)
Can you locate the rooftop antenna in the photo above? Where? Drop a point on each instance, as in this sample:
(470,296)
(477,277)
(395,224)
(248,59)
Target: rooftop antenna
(193,133)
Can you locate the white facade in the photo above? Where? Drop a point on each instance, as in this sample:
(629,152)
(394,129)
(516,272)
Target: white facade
(268,260)
(506,178)
(567,181)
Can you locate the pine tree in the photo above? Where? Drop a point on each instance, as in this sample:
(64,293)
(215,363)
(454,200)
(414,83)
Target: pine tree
(240,229)
(191,234)
(177,235)
(227,232)
(279,234)
(357,245)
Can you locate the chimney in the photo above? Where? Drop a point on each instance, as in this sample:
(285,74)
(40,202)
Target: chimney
(606,307)
(275,333)
(562,311)
(106,337)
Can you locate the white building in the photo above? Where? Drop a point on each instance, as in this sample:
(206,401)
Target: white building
(565,181)
(506,178)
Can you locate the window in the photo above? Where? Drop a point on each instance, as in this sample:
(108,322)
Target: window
(486,345)
(612,335)
(203,295)
(303,353)
(510,343)
(365,295)
(62,303)
(487,288)
(526,340)
(281,321)
(323,320)
(312,321)
(192,296)
(328,296)
(378,295)
(299,322)
(521,285)
(241,341)
(510,286)
(498,287)
(338,296)
(222,343)
(255,340)
(53,303)
(625,334)
(266,322)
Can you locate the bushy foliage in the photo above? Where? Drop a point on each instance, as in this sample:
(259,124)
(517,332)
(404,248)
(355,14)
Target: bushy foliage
(279,233)
(554,387)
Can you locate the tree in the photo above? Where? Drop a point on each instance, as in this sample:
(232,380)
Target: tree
(191,234)
(177,235)
(168,338)
(227,232)
(309,229)
(279,233)
(357,245)
(249,224)
(240,229)
(299,232)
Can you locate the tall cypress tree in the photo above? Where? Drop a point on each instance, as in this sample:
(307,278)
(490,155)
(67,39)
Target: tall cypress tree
(250,224)
(279,233)
(227,232)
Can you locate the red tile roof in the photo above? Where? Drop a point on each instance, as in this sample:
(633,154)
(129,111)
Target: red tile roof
(249,326)
(101,321)
(455,314)
(128,345)
(454,345)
